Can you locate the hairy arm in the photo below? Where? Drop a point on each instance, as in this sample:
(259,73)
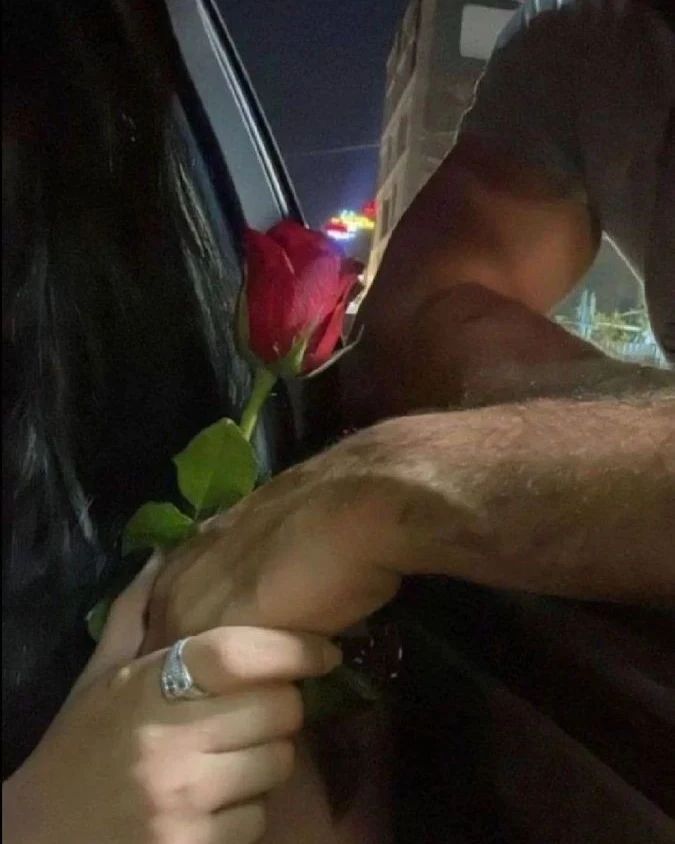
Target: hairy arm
(560,497)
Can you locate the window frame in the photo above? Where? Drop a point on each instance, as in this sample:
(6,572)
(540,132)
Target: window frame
(240,132)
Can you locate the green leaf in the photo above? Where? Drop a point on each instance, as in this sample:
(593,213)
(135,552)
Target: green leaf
(156,524)
(97,617)
(217,468)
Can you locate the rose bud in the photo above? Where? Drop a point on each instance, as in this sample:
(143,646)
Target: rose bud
(295,295)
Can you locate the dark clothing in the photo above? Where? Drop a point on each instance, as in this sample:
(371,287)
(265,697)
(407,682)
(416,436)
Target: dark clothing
(585,89)
(578,699)
(534,720)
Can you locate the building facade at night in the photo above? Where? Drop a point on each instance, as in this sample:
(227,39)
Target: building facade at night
(438,54)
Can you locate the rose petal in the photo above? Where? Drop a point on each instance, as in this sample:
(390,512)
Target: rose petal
(298,283)
(304,246)
(319,288)
(326,337)
(270,286)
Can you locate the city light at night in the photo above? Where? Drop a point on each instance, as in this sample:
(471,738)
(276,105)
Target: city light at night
(347,224)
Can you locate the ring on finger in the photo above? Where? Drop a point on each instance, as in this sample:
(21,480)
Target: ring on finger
(175,679)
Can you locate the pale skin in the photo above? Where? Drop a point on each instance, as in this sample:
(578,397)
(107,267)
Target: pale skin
(120,763)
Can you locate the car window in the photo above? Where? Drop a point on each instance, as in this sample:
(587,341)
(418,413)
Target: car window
(239,175)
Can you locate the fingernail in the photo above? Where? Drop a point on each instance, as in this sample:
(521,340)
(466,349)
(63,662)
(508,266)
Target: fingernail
(332,657)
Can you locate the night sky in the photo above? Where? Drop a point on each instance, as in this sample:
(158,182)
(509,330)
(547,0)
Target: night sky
(319,70)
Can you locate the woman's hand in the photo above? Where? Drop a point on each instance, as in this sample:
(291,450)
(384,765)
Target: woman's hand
(121,764)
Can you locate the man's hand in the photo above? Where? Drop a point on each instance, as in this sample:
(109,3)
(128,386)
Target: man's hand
(298,554)
(572,498)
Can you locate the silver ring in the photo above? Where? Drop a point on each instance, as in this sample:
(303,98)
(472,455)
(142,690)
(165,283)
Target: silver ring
(175,679)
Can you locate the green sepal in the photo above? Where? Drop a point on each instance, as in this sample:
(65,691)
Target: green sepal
(291,365)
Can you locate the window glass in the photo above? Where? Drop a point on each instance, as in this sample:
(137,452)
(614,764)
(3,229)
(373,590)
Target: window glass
(481,26)
(608,308)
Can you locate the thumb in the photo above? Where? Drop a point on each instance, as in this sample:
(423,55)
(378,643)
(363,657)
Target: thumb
(125,626)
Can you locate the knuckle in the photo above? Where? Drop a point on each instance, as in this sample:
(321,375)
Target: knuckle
(148,739)
(164,785)
(258,820)
(120,678)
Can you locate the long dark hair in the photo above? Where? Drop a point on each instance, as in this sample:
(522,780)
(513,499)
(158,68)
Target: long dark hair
(117,305)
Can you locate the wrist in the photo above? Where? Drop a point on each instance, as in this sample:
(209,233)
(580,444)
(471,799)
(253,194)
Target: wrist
(370,496)
(399,495)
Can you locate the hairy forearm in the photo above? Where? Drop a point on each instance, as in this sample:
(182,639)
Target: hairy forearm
(561,496)
(555,496)
(588,377)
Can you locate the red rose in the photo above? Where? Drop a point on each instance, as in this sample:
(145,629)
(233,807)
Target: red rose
(295,296)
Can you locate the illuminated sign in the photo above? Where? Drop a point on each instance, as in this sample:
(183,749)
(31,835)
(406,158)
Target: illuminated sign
(347,224)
